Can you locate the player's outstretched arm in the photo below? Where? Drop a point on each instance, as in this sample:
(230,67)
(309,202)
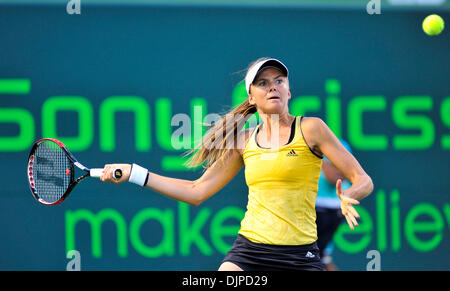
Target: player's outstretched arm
(191,192)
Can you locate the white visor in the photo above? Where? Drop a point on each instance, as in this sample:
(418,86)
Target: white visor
(258,67)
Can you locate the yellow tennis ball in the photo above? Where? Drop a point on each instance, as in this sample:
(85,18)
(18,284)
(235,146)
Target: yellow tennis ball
(433,24)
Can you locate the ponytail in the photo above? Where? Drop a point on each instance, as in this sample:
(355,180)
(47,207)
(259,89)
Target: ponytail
(221,137)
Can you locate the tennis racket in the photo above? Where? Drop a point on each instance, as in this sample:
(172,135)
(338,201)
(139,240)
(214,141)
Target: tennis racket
(51,171)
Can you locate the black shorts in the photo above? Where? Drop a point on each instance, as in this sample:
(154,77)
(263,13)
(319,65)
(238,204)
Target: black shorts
(250,256)
(327,222)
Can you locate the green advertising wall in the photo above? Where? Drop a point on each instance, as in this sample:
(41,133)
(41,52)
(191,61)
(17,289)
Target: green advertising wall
(109,81)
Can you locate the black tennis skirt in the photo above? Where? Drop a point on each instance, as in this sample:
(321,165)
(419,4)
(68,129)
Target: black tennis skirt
(250,256)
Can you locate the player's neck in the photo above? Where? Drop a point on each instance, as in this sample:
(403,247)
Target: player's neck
(276,122)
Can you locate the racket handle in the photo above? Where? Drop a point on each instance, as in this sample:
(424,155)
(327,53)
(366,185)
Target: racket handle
(96,173)
(117,173)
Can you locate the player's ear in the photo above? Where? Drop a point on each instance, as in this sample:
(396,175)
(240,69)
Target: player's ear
(251,99)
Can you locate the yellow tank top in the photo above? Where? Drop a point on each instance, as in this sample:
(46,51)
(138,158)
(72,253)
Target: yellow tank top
(282,186)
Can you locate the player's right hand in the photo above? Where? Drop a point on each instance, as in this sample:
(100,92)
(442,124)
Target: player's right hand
(108,173)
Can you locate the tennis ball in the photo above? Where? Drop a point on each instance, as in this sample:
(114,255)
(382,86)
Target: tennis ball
(433,24)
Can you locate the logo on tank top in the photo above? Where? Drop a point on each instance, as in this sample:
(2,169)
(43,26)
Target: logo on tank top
(292,153)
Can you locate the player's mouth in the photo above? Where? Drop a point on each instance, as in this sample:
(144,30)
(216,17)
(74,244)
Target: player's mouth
(274,98)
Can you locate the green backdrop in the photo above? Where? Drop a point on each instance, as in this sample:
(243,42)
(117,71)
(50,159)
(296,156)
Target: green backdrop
(109,80)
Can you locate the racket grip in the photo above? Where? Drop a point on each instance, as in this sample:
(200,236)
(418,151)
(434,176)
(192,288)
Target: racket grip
(96,173)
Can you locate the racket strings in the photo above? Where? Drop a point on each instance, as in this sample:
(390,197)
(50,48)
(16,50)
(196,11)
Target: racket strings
(51,171)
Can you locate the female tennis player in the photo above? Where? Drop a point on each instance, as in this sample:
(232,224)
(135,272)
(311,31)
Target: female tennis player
(282,158)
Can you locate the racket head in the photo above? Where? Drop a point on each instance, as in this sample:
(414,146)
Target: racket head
(50,171)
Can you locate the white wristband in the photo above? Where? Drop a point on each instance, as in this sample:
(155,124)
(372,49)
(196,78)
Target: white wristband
(138,175)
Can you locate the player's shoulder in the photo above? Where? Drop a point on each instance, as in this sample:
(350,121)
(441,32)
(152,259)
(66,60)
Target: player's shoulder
(314,131)
(312,124)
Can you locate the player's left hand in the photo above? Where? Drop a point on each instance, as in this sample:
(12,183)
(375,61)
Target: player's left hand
(347,206)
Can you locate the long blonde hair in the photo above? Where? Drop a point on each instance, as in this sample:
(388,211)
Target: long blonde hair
(216,142)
